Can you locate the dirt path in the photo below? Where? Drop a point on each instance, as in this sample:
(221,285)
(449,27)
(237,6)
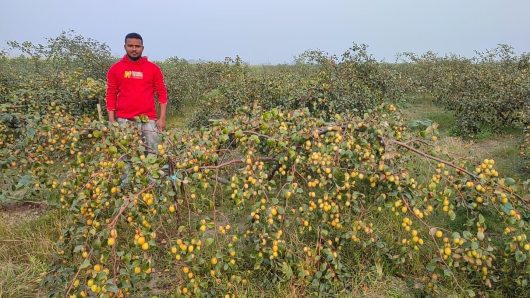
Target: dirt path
(15,212)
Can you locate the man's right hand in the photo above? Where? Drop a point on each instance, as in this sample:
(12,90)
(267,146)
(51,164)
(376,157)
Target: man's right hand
(112,118)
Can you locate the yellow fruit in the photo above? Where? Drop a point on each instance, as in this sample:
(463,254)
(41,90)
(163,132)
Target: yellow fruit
(171,208)
(137,270)
(94,288)
(111,241)
(141,240)
(145,246)
(97,267)
(213,261)
(439,234)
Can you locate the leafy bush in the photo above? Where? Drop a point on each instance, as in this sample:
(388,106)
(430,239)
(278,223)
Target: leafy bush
(488,92)
(285,196)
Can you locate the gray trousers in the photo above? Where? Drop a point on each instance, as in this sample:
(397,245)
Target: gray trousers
(149,133)
(150,137)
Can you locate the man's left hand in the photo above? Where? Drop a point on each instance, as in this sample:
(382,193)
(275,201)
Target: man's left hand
(161,124)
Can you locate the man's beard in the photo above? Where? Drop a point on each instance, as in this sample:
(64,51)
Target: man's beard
(134,58)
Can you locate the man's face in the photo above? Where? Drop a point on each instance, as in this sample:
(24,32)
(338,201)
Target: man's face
(134,47)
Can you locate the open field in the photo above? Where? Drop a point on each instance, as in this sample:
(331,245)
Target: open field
(329,177)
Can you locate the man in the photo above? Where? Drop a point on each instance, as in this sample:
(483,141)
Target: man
(131,86)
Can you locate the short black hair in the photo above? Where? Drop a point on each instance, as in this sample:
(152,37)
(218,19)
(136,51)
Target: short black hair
(134,35)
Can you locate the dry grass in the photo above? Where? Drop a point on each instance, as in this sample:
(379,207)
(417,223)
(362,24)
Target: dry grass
(503,148)
(27,239)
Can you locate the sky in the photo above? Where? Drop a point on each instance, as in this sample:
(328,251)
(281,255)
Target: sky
(275,31)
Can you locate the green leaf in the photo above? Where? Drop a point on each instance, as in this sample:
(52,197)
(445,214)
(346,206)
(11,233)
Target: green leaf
(85,264)
(448,272)
(287,271)
(209,241)
(111,287)
(420,123)
(431,266)
(520,257)
(481,219)
(24,181)
(507,208)
(379,269)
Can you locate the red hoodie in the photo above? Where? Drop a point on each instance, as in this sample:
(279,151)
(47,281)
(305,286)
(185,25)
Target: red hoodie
(131,86)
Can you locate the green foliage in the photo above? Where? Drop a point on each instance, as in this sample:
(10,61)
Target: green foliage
(66,52)
(303,195)
(488,92)
(322,83)
(525,149)
(37,89)
(302,176)
(186,81)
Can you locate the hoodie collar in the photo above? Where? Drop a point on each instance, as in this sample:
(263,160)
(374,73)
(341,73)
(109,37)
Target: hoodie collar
(139,61)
